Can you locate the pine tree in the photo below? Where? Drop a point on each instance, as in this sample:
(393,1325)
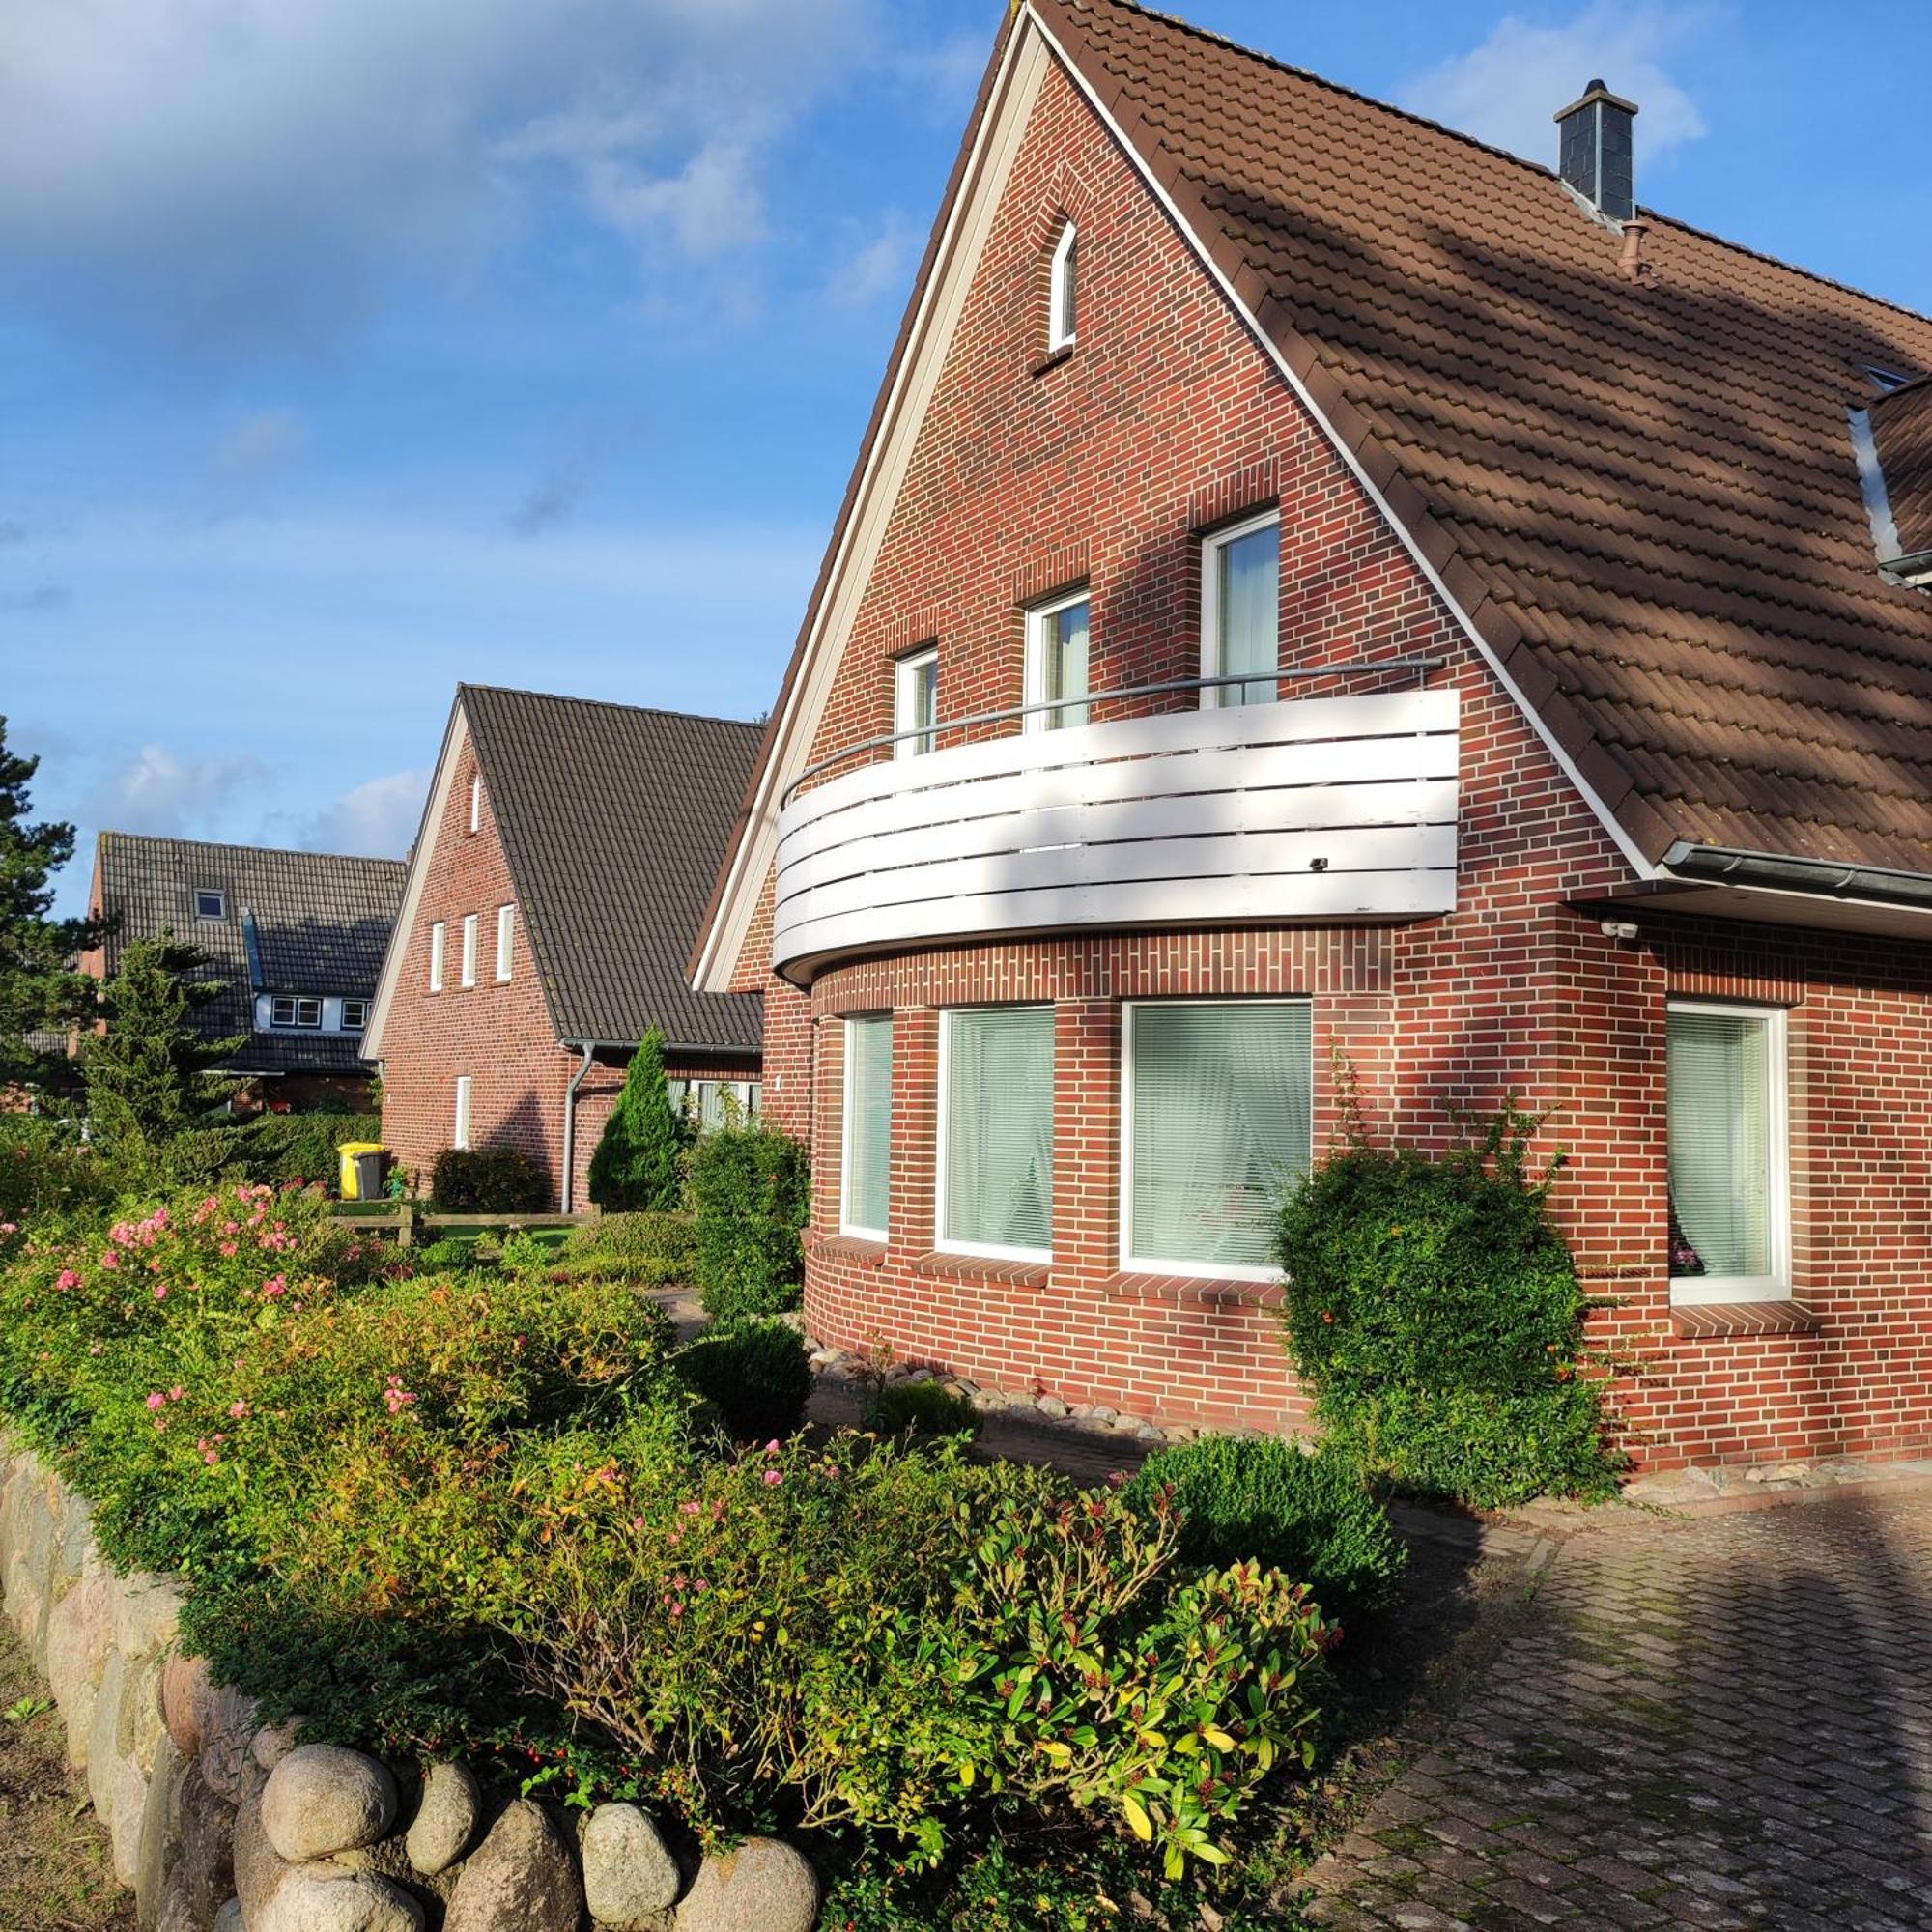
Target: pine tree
(639,1161)
(148,1075)
(40,990)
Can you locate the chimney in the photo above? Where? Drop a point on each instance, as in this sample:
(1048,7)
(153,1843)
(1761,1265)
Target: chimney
(1599,158)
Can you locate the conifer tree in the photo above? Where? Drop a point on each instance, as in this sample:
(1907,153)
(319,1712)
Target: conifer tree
(639,1161)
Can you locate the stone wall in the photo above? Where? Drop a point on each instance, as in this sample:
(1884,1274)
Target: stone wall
(220,1823)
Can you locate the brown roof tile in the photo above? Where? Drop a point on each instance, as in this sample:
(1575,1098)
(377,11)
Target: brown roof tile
(1902,433)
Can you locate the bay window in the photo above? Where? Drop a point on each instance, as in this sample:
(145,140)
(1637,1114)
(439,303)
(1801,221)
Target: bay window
(995,1131)
(866,1170)
(1729,1165)
(1240,610)
(1218,1105)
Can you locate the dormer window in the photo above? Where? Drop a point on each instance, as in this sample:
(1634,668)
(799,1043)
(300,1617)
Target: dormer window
(355,1015)
(297,1011)
(1062,292)
(209,903)
(1892,440)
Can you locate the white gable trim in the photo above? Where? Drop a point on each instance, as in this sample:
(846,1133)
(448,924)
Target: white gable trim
(1009,108)
(456,735)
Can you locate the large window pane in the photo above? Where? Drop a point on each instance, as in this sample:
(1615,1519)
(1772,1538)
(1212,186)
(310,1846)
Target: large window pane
(1063,673)
(916,705)
(1722,1188)
(999,1128)
(869,1122)
(1220,1101)
(1247,611)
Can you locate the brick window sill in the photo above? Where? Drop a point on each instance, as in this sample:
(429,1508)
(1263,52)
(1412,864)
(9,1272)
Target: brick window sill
(1193,1290)
(1700,1320)
(1053,361)
(939,1266)
(852,1248)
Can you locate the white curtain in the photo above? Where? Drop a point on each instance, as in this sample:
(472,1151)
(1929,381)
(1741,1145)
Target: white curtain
(1249,602)
(1221,1127)
(868,1145)
(1721,1140)
(1066,665)
(999,1127)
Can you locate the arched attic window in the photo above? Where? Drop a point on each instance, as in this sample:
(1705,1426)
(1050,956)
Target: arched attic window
(1062,291)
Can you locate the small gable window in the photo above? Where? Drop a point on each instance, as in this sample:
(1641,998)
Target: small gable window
(209,903)
(475,804)
(1062,300)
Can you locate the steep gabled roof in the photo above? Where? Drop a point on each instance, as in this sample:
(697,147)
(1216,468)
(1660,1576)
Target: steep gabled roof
(292,923)
(614,819)
(1639,496)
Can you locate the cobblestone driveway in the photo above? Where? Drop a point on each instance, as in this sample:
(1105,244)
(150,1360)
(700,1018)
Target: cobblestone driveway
(1719,1723)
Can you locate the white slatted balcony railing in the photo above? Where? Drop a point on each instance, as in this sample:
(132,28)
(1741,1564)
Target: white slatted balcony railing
(1317,810)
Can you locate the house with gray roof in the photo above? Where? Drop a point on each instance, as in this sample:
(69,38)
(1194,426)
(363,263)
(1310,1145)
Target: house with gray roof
(296,938)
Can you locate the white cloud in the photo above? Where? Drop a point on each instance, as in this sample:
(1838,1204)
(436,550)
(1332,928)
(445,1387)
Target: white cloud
(1506,90)
(880,266)
(257,173)
(158,791)
(264,440)
(376,820)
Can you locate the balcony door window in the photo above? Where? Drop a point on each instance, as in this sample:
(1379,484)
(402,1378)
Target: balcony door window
(1729,1239)
(1056,667)
(1240,610)
(995,1131)
(1218,1106)
(916,702)
(868,1127)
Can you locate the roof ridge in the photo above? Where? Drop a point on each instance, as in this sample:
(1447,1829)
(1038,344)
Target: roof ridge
(1342,88)
(608,704)
(265,851)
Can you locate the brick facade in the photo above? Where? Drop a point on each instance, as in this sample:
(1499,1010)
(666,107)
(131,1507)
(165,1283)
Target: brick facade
(499,1032)
(1106,465)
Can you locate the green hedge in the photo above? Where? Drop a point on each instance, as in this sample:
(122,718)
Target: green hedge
(280,1148)
(751,1191)
(757,1376)
(488,1180)
(654,1250)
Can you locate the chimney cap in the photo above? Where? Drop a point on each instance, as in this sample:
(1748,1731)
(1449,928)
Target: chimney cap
(1594,91)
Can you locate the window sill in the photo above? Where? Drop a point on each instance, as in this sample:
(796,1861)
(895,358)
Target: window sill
(942,1264)
(1699,1320)
(1185,1291)
(1053,358)
(849,1248)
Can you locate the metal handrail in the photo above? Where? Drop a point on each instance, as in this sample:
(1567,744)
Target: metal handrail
(1422,667)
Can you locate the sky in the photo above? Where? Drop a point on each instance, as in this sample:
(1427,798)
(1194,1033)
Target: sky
(349,349)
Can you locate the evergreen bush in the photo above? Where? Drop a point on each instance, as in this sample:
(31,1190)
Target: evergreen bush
(638,1165)
(924,1410)
(757,1376)
(1435,1316)
(488,1180)
(751,1191)
(654,1250)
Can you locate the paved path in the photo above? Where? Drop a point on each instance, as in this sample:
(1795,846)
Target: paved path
(1719,1723)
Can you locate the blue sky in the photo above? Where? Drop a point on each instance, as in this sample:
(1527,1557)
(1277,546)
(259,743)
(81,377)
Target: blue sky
(349,349)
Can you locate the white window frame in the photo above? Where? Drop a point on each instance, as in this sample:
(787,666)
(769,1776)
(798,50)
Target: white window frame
(278,1006)
(1037,619)
(1130,1262)
(438,946)
(506,925)
(1211,546)
(994,1251)
(477,802)
(470,948)
(215,893)
(1693,1290)
(1061,333)
(905,672)
(360,1008)
(846,1225)
(460,1127)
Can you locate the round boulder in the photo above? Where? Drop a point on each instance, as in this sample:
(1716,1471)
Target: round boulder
(305,1903)
(762,1886)
(446,1819)
(322,1799)
(522,1878)
(629,1876)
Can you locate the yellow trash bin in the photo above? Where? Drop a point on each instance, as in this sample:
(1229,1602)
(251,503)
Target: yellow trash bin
(348,1183)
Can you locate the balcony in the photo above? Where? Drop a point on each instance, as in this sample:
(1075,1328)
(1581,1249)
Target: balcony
(1308,811)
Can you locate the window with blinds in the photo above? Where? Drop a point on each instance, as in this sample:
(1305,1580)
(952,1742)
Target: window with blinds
(1219,1105)
(996,1115)
(1727,1158)
(865,1206)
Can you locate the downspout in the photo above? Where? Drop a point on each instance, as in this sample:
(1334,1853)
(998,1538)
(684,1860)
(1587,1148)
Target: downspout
(570,1125)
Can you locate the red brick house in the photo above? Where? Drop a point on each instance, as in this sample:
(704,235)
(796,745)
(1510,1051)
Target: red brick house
(551,897)
(296,938)
(1319,593)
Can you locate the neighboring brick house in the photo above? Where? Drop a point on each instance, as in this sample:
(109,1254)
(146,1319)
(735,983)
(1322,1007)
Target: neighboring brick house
(1598,772)
(554,889)
(296,938)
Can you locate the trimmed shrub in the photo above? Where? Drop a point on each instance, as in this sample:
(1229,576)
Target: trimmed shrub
(757,1377)
(1264,1500)
(1436,1314)
(488,1180)
(926,1412)
(751,1191)
(655,1250)
(289,1148)
(639,1164)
